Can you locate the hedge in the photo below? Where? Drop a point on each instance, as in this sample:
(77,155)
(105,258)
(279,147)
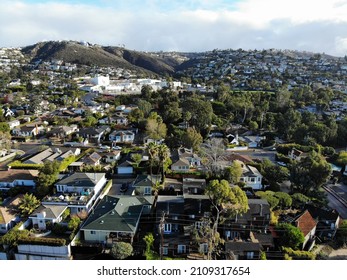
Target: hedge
(19,165)
(298,255)
(56,242)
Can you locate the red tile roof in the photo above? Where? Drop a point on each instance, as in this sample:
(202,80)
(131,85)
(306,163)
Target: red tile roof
(305,222)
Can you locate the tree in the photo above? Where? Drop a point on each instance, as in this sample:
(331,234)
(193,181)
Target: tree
(290,236)
(74,223)
(226,201)
(28,204)
(341,234)
(155,128)
(273,172)
(269,197)
(149,253)
(299,200)
(163,156)
(136,158)
(342,159)
(4,127)
(146,92)
(233,172)
(192,138)
(145,107)
(253,125)
(5,140)
(285,199)
(212,151)
(152,149)
(47,177)
(121,250)
(201,112)
(310,173)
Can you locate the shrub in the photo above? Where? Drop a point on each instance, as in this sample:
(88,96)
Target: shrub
(298,254)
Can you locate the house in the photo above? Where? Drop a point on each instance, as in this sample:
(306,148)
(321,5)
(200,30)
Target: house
(46,214)
(143,184)
(115,218)
(180,165)
(93,134)
(243,250)
(18,178)
(78,190)
(296,154)
(188,154)
(197,212)
(118,120)
(184,159)
(122,136)
(251,176)
(51,154)
(239,226)
(29,130)
(328,221)
(62,131)
(112,156)
(13,124)
(251,141)
(125,167)
(92,159)
(307,226)
(172,186)
(169,216)
(194,186)
(9,213)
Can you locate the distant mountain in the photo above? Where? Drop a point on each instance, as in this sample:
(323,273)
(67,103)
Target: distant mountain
(87,54)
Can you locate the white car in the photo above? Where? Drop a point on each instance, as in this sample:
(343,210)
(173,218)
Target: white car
(104,147)
(116,148)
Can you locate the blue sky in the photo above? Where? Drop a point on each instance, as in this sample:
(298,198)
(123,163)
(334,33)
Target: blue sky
(186,25)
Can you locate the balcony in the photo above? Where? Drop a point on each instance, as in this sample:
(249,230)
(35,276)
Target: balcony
(68,198)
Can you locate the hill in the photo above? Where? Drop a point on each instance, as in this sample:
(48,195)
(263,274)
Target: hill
(87,54)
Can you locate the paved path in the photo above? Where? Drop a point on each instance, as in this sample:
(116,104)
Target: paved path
(340,254)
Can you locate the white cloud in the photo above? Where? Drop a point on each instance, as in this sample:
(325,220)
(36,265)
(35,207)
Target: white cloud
(312,25)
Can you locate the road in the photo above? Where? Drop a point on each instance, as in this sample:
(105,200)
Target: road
(335,202)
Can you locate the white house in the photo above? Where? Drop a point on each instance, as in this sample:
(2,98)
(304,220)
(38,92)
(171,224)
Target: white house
(78,191)
(122,136)
(251,176)
(28,130)
(47,213)
(13,124)
(18,177)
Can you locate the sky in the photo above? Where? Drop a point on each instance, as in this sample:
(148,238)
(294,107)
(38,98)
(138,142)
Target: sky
(182,25)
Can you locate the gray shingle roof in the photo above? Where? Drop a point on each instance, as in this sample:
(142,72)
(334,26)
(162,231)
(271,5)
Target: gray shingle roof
(116,214)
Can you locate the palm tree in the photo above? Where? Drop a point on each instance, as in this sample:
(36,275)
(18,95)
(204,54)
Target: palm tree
(152,149)
(163,155)
(28,204)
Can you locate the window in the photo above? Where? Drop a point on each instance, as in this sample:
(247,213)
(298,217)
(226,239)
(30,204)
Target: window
(198,225)
(165,250)
(147,190)
(167,228)
(250,255)
(203,248)
(252,180)
(92,232)
(181,249)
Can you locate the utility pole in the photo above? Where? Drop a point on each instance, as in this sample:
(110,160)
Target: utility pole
(161,231)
